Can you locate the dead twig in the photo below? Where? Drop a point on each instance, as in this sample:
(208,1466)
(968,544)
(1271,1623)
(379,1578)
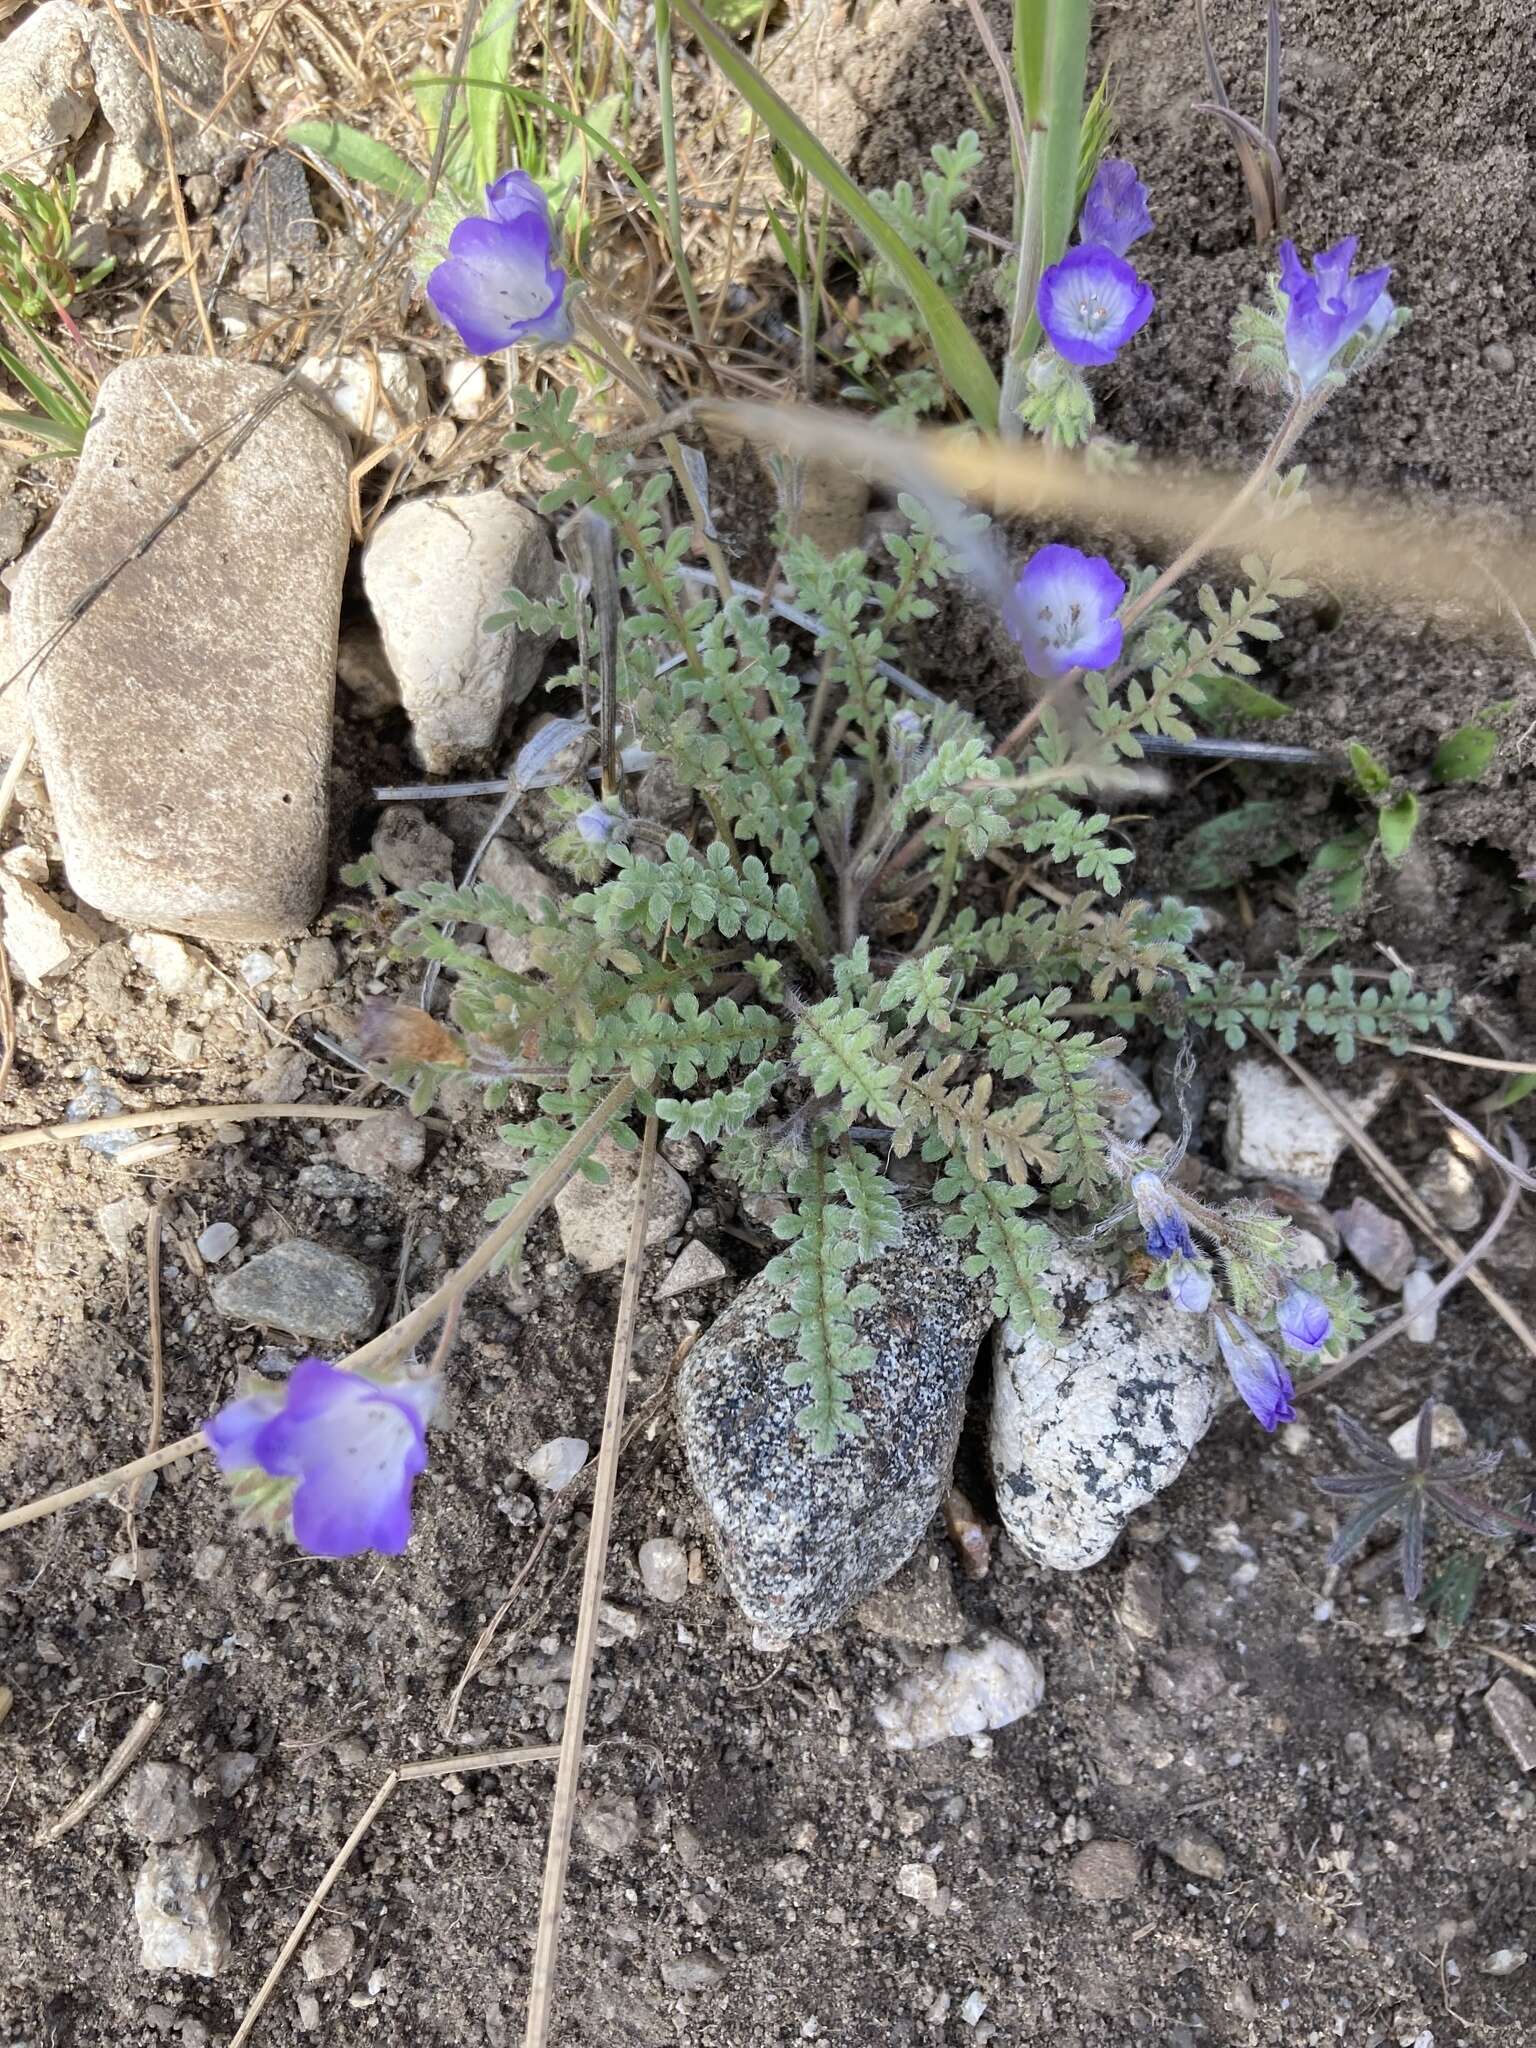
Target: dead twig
(113,1769)
(402,1774)
(1398,1189)
(102,1483)
(547,1943)
(191,1113)
(559,1507)
(1454,1278)
(152,1235)
(13,774)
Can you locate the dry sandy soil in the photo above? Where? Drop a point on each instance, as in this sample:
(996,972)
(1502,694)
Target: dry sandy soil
(1353,1837)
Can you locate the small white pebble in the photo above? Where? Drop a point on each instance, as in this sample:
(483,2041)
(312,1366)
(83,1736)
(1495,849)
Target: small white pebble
(554,1464)
(664,1569)
(217,1240)
(972,2008)
(1188,1562)
(917,1881)
(1423,1323)
(256,968)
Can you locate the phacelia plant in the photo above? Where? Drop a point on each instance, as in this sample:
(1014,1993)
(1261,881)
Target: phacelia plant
(822,972)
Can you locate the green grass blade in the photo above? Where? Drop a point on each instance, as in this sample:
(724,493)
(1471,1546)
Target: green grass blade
(663,33)
(61,435)
(964,366)
(358,156)
(488,62)
(1029,18)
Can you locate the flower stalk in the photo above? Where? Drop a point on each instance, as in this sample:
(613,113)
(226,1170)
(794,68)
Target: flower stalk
(1050,192)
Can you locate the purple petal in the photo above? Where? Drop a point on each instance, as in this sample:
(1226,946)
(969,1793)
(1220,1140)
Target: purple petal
(1091,303)
(333,1516)
(1161,1218)
(1256,1372)
(1063,611)
(1303,1321)
(232,1433)
(1327,308)
(1189,1285)
(499,285)
(515,194)
(1115,211)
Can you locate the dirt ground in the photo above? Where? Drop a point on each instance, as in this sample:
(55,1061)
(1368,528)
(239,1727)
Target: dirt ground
(1329,1838)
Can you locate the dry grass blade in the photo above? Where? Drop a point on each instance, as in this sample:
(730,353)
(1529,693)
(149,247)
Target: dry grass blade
(547,1944)
(113,1769)
(1453,1279)
(152,1235)
(8,788)
(102,1483)
(1399,1190)
(70,1132)
(1355,540)
(1517,1169)
(149,62)
(317,1899)
(563,1501)
(403,1774)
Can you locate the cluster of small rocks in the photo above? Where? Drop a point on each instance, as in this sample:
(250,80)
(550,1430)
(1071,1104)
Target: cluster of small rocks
(183,1921)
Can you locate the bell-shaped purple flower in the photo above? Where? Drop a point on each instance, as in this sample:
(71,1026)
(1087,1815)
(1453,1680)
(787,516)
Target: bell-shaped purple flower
(597,824)
(1091,303)
(353,1446)
(1327,307)
(1161,1217)
(1189,1284)
(1256,1372)
(1115,212)
(499,283)
(1303,1321)
(1064,611)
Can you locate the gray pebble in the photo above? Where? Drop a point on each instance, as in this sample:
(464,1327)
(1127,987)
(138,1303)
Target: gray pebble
(160,1805)
(217,1241)
(303,1288)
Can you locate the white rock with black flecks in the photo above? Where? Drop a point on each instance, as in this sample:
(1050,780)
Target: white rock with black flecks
(1091,1424)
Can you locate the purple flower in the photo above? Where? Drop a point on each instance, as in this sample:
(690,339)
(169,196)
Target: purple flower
(1063,611)
(597,824)
(1257,1374)
(1189,1284)
(1303,1321)
(1328,307)
(499,284)
(1161,1218)
(1091,303)
(353,1446)
(1115,212)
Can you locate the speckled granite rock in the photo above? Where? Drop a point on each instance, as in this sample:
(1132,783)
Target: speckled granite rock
(1091,1425)
(802,1538)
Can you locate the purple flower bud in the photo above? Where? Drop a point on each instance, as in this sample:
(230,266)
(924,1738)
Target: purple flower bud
(1161,1218)
(597,824)
(907,723)
(1091,303)
(354,1447)
(1189,1284)
(1063,612)
(1303,1321)
(1327,307)
(1257,1374)
(1115,212)
(499,283)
